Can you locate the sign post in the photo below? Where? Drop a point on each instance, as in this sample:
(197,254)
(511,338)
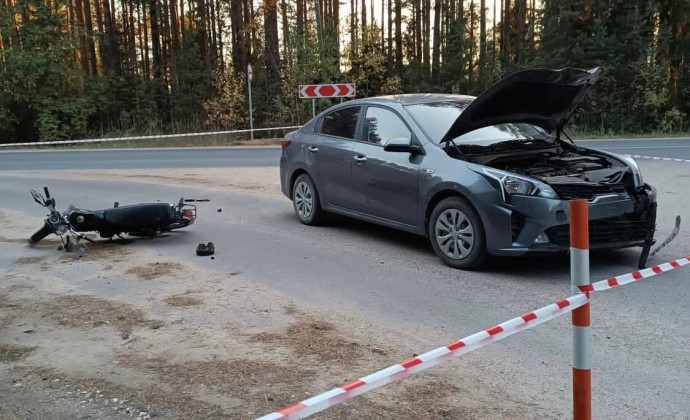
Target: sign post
(334,90)
(250,75)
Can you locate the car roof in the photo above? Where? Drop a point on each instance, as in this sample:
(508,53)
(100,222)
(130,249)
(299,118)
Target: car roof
(414,99)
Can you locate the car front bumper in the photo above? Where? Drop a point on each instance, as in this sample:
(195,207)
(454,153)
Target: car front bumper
(540,225)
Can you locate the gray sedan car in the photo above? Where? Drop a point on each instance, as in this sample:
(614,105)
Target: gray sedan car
(477,176)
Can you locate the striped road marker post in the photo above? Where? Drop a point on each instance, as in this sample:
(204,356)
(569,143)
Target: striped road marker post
(582,335)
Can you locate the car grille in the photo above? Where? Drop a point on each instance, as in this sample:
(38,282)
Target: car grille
(585,191)
(603,232)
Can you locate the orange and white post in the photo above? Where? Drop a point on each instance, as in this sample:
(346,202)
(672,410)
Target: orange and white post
(582,335)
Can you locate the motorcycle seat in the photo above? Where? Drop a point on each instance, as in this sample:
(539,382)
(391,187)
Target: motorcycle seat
(140,215)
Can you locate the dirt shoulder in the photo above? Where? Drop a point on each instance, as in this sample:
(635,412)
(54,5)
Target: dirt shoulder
(124,332)
(263,181)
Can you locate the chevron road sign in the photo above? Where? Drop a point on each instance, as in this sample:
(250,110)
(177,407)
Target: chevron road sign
(336,90)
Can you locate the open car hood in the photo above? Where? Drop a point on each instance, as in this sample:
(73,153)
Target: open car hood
(542,97)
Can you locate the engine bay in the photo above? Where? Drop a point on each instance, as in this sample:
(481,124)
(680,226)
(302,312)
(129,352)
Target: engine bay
(561,165)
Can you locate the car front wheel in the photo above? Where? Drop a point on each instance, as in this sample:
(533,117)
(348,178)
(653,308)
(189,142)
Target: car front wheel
(457,234)
(306,202)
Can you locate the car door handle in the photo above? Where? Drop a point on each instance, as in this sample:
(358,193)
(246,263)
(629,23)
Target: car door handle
(361,159)
(313,149)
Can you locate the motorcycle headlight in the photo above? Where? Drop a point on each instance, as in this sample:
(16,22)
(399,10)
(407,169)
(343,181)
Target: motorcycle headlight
(62,229)
(512,184)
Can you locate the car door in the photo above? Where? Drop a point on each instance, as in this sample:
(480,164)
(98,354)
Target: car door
(330,155)
(385,184)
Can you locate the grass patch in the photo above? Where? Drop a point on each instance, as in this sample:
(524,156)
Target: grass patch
(10,353)
(155,270)
(260,386)
(182,300)
(92,311)
(310,337)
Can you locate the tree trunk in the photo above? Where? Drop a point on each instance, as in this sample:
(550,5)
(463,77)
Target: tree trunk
(353,28)
(214,33)
(221,27)
(90,38)
(155,40)
(239,37)
(182,20)
(175,30)
(287,51)
(505,33)
(144,64)
(482,41)
(520,33)
(437,41)
(203,32)
(319,25)
(300,18)
(389,54)
(271,48)
(83,52)
(99,29)
(364,22)
(398,39)
(470,57)
(109,50)
(147,61)
(132,37)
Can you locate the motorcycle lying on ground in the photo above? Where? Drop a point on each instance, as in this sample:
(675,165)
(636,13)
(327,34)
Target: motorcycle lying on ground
(146,219)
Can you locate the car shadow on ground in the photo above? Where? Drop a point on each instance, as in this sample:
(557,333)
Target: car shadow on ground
(539,265)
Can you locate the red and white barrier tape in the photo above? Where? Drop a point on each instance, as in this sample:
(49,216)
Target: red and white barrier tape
(432,358)
(427,360)
(612,282)
(667,159)
(158,136)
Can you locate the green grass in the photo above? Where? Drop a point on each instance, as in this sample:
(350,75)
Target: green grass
(218,140)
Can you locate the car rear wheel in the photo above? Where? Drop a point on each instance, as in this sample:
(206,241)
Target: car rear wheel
(305,200)
(457,234)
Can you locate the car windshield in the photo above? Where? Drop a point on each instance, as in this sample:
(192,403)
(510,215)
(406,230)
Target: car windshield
(436,119)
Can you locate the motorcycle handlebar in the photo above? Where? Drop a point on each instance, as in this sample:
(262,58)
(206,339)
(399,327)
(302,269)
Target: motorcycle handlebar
(46,230)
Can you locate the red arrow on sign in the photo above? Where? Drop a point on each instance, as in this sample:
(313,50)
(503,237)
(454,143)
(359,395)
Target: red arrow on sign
(338,90)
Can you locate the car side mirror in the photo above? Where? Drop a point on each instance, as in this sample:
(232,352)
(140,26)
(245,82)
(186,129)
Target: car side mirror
(401,144)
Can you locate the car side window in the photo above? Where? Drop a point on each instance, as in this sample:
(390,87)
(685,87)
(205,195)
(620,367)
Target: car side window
(382,125)
(340,123)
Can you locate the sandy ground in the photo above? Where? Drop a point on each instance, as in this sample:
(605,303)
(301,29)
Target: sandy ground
(126,333)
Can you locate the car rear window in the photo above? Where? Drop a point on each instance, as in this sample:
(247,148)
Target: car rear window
(340,123)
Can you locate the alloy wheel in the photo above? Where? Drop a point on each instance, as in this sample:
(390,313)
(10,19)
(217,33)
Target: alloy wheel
(454,234)
(304,200)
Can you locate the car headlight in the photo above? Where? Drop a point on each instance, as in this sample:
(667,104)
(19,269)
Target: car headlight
(637,174)
(511,184)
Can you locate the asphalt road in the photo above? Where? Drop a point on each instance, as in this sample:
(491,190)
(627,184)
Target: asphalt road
(256,156)
(640,331)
